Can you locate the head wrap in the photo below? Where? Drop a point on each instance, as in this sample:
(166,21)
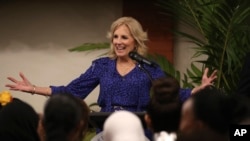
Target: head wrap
(123,126)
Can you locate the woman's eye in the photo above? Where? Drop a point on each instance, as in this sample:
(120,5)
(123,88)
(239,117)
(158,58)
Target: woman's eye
(124,37)
(115,36)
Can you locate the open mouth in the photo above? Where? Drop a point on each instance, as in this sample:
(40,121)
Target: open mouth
(120,48)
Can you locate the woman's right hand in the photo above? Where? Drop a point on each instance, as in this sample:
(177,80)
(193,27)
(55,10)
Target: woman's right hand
(22,85)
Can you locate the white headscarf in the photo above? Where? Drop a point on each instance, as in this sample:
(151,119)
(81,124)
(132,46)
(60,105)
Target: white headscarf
(123,126)
(164,136)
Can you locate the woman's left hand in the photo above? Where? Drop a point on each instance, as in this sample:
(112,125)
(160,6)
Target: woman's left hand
(206,80)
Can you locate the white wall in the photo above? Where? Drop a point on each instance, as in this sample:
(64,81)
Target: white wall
(183,50)
(35,38)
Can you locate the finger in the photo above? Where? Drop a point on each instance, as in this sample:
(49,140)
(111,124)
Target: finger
(205,72)
(213,76)
(11,85)
(12,79)
(212,79)
(214,73)
(212,85)
(22,76)
(15,89)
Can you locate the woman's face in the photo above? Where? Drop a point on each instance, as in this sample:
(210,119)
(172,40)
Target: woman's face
(123,41)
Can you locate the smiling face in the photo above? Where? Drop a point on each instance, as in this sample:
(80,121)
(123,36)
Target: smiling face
(126,34)
(122,41)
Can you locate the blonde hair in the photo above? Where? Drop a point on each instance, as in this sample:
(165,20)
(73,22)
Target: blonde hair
(137,33)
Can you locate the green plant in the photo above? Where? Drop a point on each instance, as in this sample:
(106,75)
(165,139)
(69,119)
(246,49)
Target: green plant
(89,135)
(90,47)
(166,66)
(223,36)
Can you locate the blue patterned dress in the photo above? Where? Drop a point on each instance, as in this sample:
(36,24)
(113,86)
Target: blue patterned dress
(130,92)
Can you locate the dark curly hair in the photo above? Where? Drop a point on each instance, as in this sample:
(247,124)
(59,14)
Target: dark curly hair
(62,115)
(164,107)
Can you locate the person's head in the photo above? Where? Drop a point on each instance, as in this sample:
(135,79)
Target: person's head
(201,135)
(18,122)
(123,126)
(206,113)
(164,108)
(239,106)
(65,118)
(126,34)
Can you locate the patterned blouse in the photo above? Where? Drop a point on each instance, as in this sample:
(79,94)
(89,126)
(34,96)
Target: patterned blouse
(130,92)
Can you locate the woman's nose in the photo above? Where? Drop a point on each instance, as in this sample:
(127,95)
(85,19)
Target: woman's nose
(117,40)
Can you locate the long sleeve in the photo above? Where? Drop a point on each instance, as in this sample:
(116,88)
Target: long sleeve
(82,85)
(185,94)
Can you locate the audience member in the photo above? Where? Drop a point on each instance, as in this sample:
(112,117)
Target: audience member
(208,114)
(123,126)
(212,120)
(164,108)
(40,129)
(239,106)
(65,118)
(244,82)
(205,117)
(18,122)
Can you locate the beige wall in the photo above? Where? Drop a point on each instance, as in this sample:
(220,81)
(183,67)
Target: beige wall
(183,50)
(35,38)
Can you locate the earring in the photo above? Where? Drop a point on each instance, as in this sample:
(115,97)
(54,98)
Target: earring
(135,49)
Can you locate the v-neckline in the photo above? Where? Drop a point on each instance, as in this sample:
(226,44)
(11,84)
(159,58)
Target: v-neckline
(115,66)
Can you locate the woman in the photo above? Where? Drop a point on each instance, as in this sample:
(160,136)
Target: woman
(124,83)
(65,118)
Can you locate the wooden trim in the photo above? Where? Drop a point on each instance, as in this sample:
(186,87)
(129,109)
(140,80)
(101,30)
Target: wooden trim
(157,25)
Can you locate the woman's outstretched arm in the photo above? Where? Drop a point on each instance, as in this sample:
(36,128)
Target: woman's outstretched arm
(24,85)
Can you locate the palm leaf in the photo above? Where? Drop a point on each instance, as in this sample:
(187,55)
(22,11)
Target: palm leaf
(222,25)
(186,82)
(167,66)
(90,47)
